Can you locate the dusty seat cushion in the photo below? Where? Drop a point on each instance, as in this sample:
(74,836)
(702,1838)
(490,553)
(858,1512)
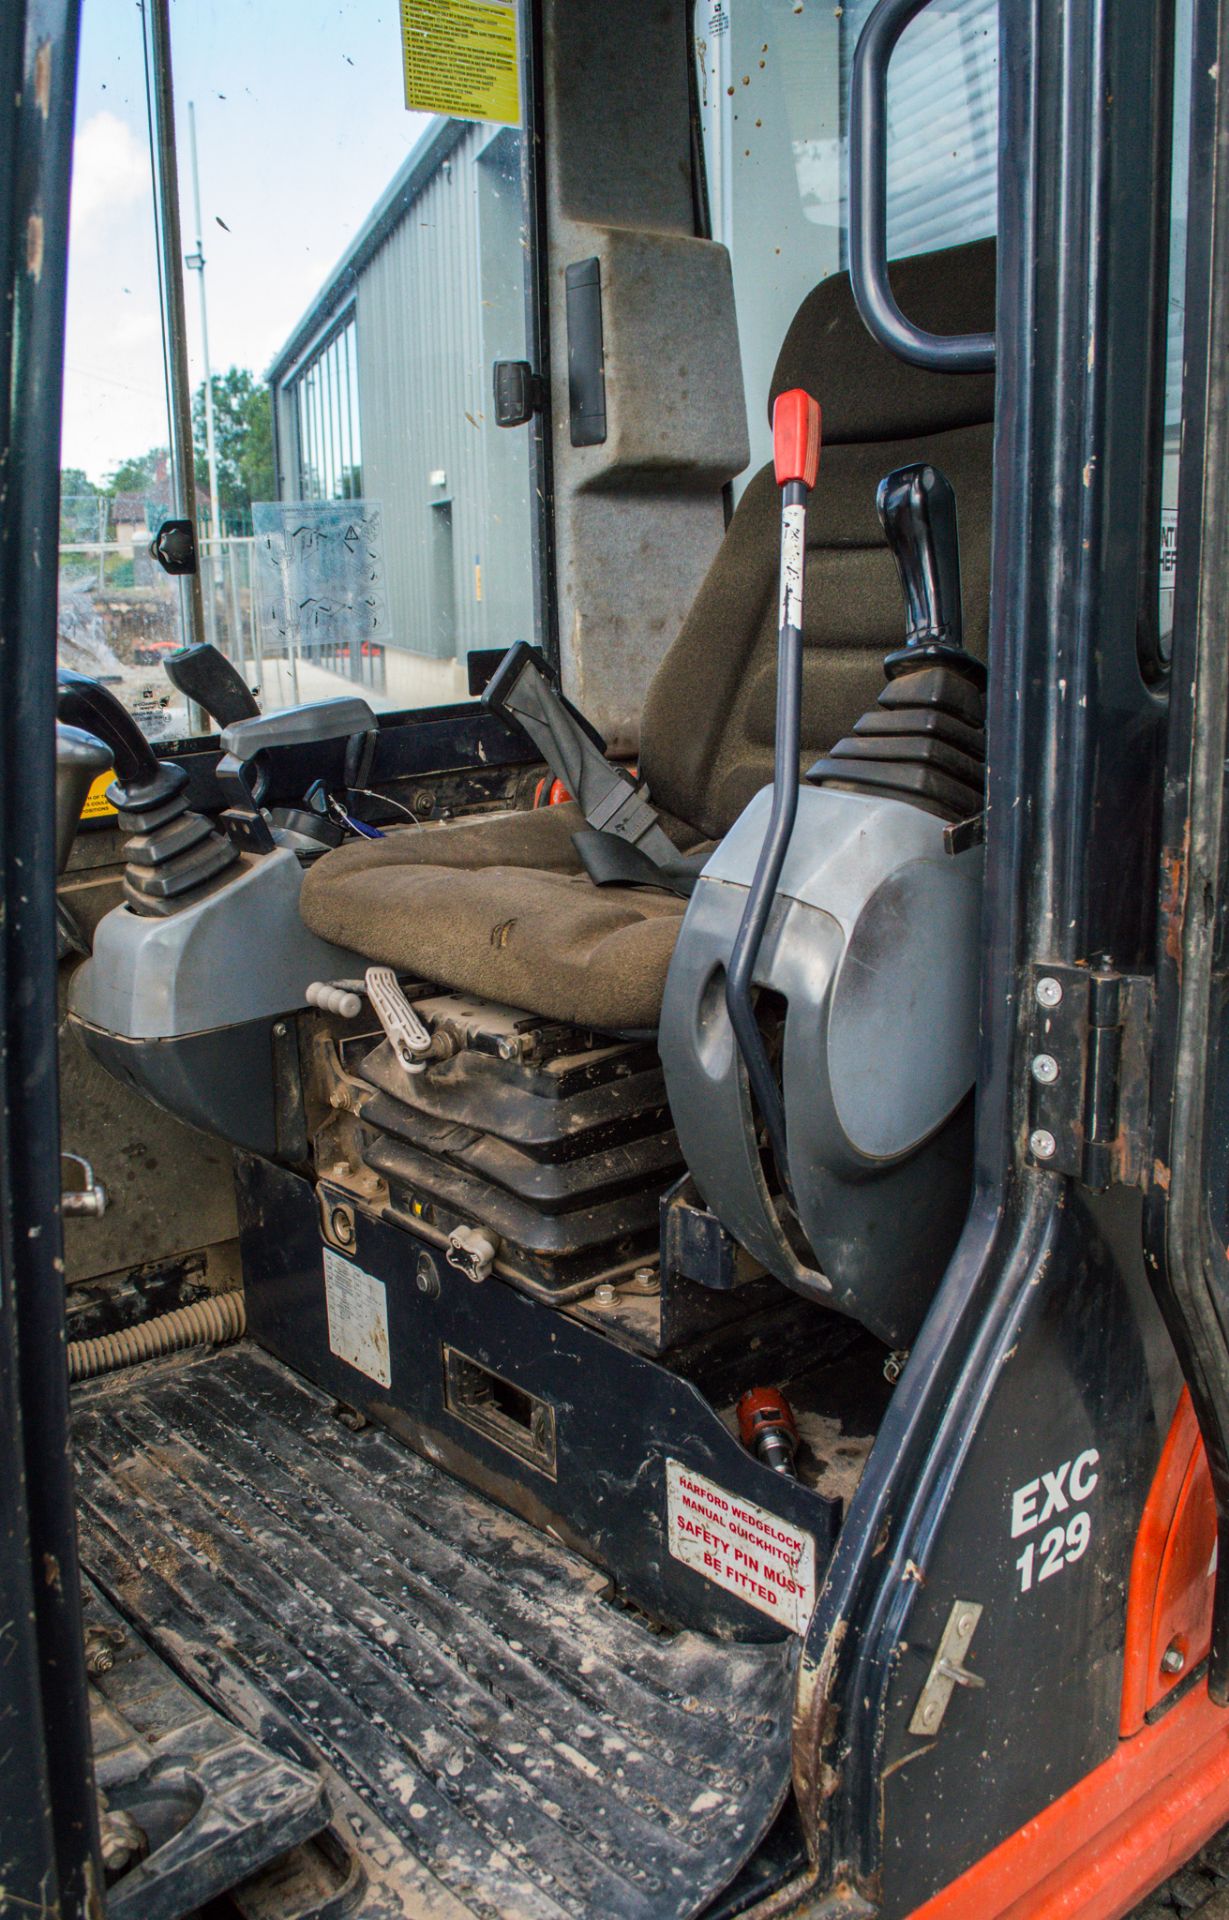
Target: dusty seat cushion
(500,906)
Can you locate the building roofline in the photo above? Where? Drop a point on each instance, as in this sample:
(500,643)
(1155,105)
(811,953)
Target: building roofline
(425,158)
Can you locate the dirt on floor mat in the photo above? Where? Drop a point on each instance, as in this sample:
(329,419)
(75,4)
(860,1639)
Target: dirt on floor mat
(498,1740)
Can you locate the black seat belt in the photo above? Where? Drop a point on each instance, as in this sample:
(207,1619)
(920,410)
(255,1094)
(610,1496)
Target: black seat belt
(624,843)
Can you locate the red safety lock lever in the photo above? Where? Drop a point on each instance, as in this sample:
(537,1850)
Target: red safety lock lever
(796,423)
(795,445)
(795,459)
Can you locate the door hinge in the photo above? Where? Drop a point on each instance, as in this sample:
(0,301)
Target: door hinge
(1089,1061)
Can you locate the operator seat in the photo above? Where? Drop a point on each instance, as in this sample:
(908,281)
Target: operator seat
(500,905)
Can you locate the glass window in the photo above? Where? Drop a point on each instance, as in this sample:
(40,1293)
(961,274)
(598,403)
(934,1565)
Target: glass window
(773,80)
(119,613)
(330,459)
(352,267)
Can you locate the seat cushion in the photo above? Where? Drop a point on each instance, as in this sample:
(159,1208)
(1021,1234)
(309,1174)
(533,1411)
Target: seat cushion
(500,906)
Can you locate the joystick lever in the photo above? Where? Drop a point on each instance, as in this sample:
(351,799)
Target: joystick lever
(171,852)
(924,740)
(917,509)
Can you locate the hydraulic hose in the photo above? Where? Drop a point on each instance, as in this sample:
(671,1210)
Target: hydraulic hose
(215,1320)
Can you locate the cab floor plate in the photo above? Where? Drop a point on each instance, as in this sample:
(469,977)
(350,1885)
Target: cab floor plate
(497,1739)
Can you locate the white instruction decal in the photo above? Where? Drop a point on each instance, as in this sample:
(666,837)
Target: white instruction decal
(793,528)
(741,1547)
(1057,1496)
(358,1317)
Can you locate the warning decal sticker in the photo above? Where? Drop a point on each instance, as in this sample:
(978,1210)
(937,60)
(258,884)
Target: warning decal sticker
(97,806)
(358,1317)
(741,1547)
(461,59)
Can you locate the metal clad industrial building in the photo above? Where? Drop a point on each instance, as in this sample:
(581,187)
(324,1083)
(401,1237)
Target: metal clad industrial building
(434,285)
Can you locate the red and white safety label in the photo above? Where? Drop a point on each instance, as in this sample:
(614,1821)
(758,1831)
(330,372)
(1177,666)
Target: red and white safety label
(741,1547)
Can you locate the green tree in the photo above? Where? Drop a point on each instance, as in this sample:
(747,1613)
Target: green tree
(137,475)
(243,438)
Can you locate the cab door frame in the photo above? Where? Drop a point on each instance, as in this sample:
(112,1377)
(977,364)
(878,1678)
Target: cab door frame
(48,1813)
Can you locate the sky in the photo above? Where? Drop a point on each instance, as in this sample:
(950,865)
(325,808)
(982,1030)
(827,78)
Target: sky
(300,125)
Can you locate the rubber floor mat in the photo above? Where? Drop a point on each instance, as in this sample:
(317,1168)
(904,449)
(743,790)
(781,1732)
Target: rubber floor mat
(497,1739)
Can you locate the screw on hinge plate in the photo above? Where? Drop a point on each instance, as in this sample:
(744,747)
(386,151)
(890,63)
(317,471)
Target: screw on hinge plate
(948,1670)
(1088,1065)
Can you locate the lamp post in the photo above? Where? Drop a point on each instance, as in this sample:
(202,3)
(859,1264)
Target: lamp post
(196,262)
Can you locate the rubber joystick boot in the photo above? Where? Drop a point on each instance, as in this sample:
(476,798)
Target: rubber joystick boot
(925,738)
(171,853)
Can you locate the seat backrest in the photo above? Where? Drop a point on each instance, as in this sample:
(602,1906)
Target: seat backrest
(707,731)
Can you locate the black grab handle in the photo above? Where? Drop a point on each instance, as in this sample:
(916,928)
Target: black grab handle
(868,209)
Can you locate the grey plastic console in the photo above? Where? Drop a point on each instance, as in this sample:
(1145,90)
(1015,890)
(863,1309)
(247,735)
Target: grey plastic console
(182,1008)
(235,955)
(298,726)
(873,945)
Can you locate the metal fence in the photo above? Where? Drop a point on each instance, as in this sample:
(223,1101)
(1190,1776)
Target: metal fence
(120,618)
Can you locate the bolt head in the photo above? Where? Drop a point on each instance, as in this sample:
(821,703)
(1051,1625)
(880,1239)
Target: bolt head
(1173,1660)
(603,1296)
(279,1028)
(1042,1144)
(1045,1069)
(1049,991)
(930,1713)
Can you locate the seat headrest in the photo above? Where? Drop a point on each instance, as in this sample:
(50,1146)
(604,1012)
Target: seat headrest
(865,392)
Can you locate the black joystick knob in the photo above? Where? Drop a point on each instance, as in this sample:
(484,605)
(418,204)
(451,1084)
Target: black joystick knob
(204,674)
(171,853)
(917,509)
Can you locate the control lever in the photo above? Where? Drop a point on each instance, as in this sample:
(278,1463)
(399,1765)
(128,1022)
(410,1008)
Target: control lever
(83,703)
(924,740)
(171,853)
(407,1036)
(917,510)
(204,674)
(795,445)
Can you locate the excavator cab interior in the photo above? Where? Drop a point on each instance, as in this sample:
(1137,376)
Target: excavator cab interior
(632,1324)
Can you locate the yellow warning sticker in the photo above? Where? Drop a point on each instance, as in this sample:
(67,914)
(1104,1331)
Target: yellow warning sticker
(461,59)
(97,806)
